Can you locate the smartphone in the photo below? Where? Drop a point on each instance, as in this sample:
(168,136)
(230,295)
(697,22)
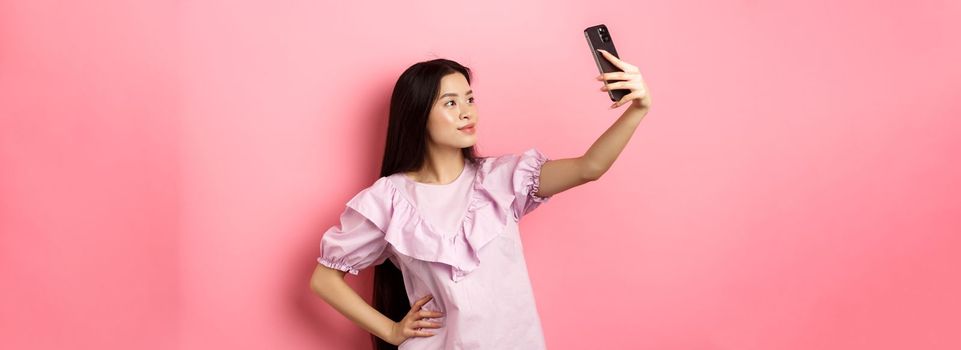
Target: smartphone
(599,37)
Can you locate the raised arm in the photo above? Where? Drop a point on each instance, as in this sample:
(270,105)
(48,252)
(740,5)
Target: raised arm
(559,175)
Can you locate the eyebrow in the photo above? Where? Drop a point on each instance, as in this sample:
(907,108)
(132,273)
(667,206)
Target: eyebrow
(454,94)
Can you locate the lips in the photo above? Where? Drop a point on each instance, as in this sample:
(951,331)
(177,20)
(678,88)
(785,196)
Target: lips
(471,125)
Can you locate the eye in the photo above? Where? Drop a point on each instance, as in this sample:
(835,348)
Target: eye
(471,99)
(451,101)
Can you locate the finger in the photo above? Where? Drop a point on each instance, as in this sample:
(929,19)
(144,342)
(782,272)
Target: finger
(619,63)
(614,76)
(630,85)
(623,65)
(429,314)
(427,324)
(420,302)
(614,60)
(627,98)
(417,333)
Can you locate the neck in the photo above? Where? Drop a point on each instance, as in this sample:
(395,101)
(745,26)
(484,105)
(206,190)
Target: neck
(441,166)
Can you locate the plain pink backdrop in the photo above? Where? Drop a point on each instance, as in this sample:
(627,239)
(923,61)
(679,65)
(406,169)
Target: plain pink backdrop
(167,168)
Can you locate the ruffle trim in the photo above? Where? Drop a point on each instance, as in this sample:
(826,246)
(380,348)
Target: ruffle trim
(337,265)
(487,215)
(535,162)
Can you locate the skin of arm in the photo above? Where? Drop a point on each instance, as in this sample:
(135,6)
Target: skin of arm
(562,174)
(330,285)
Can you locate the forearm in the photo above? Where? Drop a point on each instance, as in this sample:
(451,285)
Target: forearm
(336,292)
(602,153)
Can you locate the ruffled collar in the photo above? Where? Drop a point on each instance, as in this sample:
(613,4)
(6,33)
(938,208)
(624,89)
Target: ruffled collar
(411,234)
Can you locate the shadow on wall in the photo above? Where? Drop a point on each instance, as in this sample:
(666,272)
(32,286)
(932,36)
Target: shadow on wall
(326,325)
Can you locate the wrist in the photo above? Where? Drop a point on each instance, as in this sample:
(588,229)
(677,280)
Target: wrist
(393,335)
(636,108)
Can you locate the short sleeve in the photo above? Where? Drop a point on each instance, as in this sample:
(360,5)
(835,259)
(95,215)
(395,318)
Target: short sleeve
(525,182)
(354,245)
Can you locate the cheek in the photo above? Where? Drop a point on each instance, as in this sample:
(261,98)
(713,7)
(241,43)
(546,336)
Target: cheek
(441,120)
(438,129)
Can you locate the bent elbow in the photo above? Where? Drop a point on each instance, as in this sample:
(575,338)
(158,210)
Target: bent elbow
(324,276)
(315,286)
(592,172)
(594,176)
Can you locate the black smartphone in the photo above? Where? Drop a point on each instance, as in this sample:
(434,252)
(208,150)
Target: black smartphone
(599,37)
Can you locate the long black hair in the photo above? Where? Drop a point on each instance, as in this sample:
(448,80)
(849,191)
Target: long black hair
(406,149)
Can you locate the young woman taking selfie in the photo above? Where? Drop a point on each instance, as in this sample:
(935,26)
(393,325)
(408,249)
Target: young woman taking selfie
(440,225)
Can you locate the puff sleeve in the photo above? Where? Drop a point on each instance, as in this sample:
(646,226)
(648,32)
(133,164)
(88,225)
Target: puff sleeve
(354,245)
(525,181)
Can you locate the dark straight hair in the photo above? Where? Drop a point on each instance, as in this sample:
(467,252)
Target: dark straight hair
(405,150)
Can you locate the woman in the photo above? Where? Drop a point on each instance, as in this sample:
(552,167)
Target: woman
(446,219)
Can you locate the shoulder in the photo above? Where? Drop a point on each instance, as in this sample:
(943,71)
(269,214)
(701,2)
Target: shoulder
(380,186)
(510,163)
(375,201)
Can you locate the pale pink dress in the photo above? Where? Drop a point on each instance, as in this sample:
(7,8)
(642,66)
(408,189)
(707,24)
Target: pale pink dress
(457,241)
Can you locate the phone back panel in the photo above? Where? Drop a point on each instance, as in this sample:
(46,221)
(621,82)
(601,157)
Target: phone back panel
(595,40)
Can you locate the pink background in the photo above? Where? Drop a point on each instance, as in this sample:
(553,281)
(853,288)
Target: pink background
(166,169)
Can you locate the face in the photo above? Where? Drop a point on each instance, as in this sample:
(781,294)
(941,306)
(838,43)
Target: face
(453,108)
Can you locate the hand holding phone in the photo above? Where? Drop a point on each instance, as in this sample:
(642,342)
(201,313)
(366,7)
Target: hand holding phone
(629,85)
(599,37)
